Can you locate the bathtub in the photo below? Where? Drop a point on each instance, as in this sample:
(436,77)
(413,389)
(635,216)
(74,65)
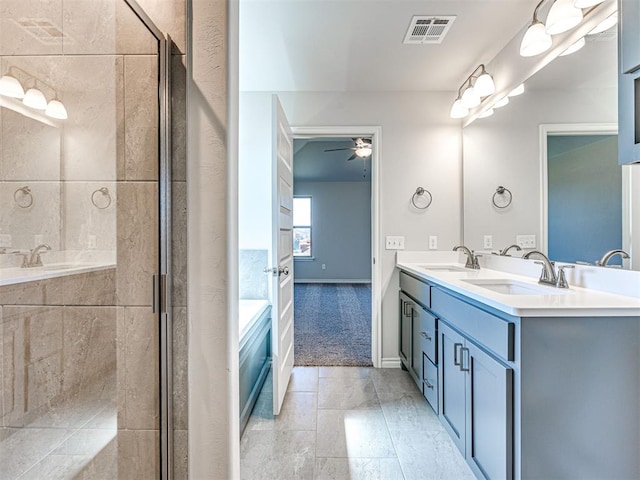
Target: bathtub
(255,353)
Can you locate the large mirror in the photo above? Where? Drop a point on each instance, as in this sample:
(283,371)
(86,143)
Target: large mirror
(542,171)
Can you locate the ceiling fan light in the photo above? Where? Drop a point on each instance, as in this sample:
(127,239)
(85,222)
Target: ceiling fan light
(56,109)
(535,41)
(458,110)
(470,97)
(574,48)
(519,90)
(11,87)
(502,103)
(34,98)
(484,85)
(586,3)
(606,24)
(363,152)
(563,16)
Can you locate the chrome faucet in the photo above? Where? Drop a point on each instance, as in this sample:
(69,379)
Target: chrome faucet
(548,275)
(472,260)
(607,256)
(33,259)
(504,252)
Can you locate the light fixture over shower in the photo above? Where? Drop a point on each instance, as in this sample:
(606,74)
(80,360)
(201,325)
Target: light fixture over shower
(34,98)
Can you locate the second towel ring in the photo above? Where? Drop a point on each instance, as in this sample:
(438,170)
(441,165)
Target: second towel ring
(105,192)
(499,193)
(420,194)
(27,197)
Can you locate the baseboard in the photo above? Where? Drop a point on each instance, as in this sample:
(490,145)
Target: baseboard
(393,362)
(332,280)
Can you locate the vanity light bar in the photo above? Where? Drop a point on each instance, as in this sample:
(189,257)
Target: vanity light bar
(34,98)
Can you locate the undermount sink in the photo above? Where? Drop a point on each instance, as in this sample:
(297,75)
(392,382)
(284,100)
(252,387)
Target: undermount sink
(515,287)
(445,268)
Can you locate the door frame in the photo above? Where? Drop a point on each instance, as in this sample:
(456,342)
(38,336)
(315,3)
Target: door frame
(375,132)
(547,129)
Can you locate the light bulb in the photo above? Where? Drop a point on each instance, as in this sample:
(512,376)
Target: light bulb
(56,109)
(486,114)
(11,87)
(586,3)
(470,98)
(458,110)
(606,24)
(363,152)
(34,98)
(519,90)
(502,103)
(535,41)
(563,16)
(484,85)
(574,48)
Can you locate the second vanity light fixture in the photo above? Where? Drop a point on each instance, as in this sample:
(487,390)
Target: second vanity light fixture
(477,86)
(562,17)
(34,98)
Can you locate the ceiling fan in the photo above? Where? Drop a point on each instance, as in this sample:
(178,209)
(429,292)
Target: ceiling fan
(362,148)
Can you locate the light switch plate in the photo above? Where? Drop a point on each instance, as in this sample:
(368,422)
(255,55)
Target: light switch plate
(526,241)
(394,243)
(93,242)
(433,242)
(37,240)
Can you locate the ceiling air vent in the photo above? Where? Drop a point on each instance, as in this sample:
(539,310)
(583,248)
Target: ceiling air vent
(428,28)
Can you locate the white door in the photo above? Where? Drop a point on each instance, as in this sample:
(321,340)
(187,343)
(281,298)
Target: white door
(282,254)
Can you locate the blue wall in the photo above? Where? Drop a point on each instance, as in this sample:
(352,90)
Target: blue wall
(585,197)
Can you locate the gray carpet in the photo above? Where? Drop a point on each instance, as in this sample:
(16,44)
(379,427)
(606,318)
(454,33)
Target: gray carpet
(332,324)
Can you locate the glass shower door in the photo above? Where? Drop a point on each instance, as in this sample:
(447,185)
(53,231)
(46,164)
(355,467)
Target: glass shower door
(83,165)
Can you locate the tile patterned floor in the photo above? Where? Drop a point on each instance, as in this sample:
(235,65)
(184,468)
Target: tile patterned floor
(348,423)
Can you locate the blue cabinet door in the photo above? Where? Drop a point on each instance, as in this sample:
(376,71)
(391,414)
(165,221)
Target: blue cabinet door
(489,414)
(406,315)
(452,384)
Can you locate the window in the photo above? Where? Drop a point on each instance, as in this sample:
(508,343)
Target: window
(302,226)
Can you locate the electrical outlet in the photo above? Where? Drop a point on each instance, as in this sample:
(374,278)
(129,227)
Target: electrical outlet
(324,266)
(395,243)
(433,242)
(5,240)
(93,242)
(37,240)
(488,241)
(526,241)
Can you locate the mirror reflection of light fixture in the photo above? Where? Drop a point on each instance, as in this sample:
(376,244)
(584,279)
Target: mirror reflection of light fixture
(56,109)
(486,114)
(586,3)
(34,98)
(562,17)
(470,97)
(484,84)
(502,103)
(606,24)
(519,90)
(477,86)
(536,40)
(574,48)
(11,87)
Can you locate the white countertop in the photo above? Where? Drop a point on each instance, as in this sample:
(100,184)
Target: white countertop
(572,302)
(15,275)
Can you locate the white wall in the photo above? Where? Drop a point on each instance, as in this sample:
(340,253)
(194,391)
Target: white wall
(341,231)
(504,150)
(421,146)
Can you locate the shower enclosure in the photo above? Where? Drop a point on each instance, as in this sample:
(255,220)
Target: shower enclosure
(85,266)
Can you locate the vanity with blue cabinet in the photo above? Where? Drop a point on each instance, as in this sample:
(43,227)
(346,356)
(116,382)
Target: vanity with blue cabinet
(544,389)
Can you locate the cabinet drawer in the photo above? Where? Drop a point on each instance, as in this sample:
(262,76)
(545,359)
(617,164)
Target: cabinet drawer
(430,382)
(420,291)
(426,329)
(493,332)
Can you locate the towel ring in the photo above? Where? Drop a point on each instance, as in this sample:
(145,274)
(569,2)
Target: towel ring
(26,194)
(500,193)
(105,192)
(419,194)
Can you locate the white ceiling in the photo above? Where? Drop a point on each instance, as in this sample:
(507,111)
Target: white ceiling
(356,45)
